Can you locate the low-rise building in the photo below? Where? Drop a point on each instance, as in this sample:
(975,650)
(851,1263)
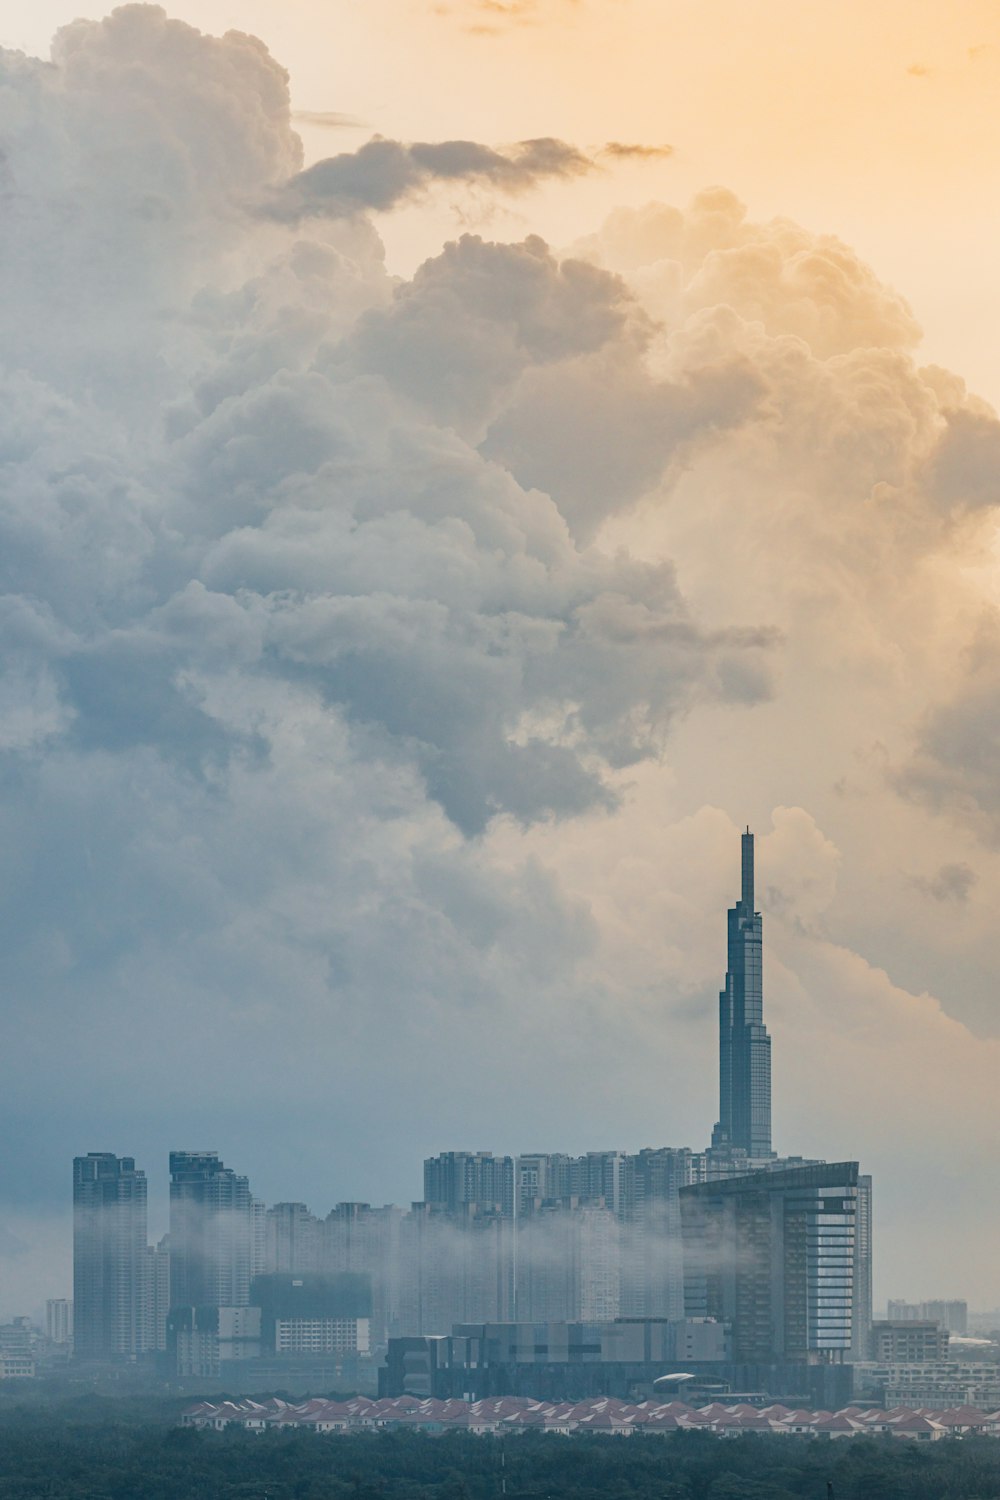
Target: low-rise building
(907,1341)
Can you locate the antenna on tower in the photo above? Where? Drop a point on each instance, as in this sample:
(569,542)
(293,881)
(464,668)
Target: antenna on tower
(747,896)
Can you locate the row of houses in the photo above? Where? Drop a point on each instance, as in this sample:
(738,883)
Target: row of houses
(605,1414)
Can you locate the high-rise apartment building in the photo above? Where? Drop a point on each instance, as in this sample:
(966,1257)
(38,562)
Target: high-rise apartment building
(457,1178)
(156,1303)
(109,1257)
(568,1263)
(773,1255)
(213,1232)
(366,1240)
(744,1045)
(58,1320)
(294,1240)
(953,1315)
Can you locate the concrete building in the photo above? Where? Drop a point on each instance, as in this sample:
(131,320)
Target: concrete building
(109,1257)
(907,1342)
(772,1255)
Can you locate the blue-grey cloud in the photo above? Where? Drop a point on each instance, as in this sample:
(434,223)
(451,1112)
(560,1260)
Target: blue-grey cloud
(384,173)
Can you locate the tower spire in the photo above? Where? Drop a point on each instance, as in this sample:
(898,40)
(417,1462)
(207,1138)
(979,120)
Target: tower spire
(744,1045)
(747,842)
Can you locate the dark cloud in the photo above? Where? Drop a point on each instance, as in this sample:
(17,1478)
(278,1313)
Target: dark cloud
(384,173)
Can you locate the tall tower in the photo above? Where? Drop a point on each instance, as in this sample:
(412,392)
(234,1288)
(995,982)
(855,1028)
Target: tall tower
(211,1232)
(109,1256)
(744,1045)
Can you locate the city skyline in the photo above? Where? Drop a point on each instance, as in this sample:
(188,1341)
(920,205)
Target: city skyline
(462,466)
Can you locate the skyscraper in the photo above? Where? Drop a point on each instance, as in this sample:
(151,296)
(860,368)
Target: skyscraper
(212,1232)
(109,1256)
(774,1255)
(744,1045)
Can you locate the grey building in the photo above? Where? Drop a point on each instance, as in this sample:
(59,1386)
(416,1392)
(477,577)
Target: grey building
(773,1255)
(906,1341)
(556,1359)
(213,1232)
(953,1315)
(294,1239)
(457,1178)
(744,1046)
(362,1238)
(109,1257)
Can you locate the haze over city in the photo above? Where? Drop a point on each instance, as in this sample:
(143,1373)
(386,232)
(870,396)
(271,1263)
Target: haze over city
(423,559)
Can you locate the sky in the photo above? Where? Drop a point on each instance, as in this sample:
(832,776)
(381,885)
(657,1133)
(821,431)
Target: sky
(462,464)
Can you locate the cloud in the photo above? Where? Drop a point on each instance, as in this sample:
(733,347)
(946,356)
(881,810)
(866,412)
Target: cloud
(377,652)
(328,119)
(626,151)
(948,883)
(383,173)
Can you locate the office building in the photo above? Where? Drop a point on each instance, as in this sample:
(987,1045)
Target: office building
(772,1255)
(109,1257)
(213,1232)
(744,1045)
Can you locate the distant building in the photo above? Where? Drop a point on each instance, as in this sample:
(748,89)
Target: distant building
(294,1239)
(59,1320)
(456,1179)
(156,1304)
(568,1263)
(109,1257)
(454,1267)
(905,1341)
(314,1314)
(952,1315)
(553,1360)
(945,1383)
(773,1256)
(744,1045)
(364,1239)
(213,1232)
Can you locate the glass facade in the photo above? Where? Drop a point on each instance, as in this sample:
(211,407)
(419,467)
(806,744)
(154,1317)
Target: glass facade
(774,1256)
(744,1045)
